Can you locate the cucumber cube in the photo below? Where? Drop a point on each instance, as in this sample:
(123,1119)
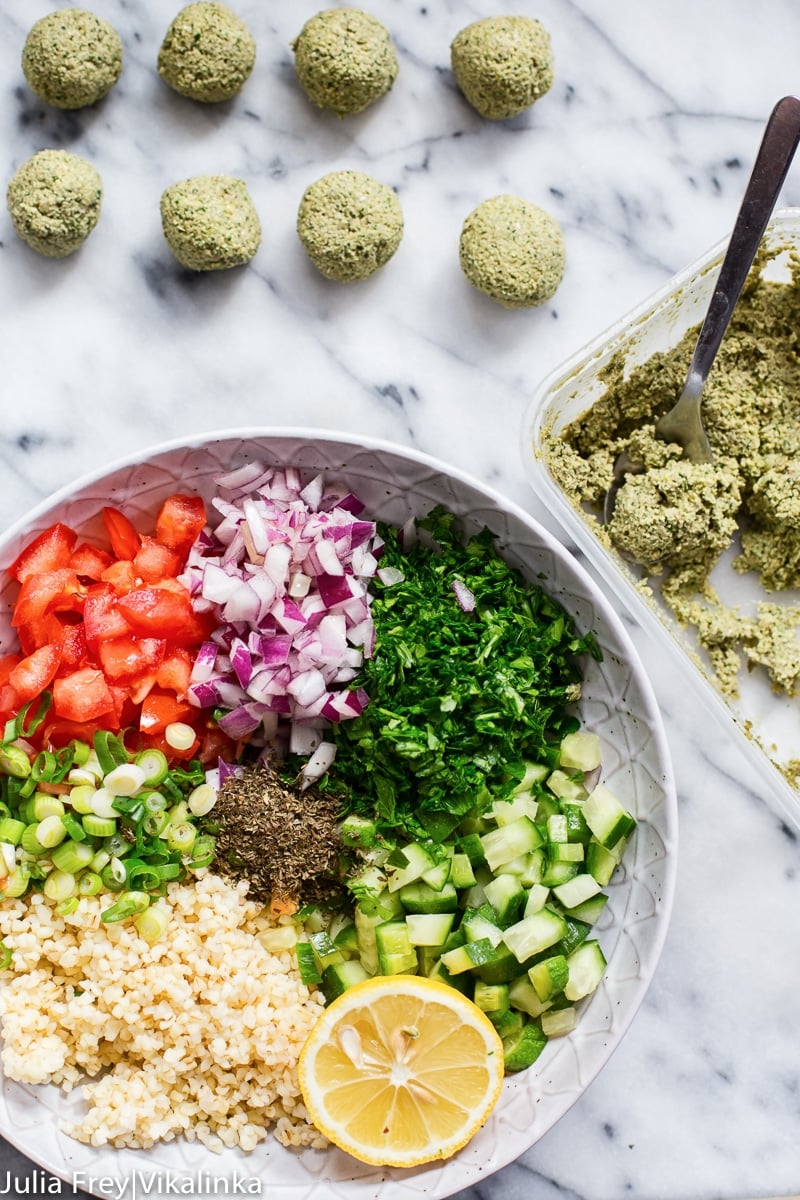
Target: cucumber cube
(580,751)
(325,952)
(606,817)
(502,845)
(506,1021)
(490,997)
(534,773)
(565,786)
(521,1049)
(602,862)
(461,872)
(337,979)
(522,996)
(358,831)
(534,934)
(507,897)
(307,963)
(558,1022)
(586,966)
(591,910)
(419,897)
(549,977)
(576,890)
(406,864)
(505,812)
(429,929)
(471,954)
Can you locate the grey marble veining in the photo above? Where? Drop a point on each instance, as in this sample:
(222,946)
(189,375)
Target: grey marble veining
(641,151)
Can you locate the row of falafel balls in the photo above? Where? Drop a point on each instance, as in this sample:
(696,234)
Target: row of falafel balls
(349,223)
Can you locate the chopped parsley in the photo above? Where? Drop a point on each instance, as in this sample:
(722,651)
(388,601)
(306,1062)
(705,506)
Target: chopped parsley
(459,700)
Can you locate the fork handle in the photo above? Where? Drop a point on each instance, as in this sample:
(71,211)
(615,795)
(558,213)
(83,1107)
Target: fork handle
(772,163)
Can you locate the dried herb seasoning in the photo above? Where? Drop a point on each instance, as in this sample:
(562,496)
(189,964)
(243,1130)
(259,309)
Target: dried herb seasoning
(286,844)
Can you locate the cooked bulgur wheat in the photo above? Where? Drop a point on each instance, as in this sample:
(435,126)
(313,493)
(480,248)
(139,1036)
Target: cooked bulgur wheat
(196,1035)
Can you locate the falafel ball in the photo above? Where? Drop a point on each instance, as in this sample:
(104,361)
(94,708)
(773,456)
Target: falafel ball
(54,201)
(207,53)
(502,65)
(350,225)
(513,251)
(71,58)
(345,60)
(210,222)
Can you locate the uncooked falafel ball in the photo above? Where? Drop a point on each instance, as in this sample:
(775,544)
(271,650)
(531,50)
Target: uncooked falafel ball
(513,251)
(502,65)
(349,224)
(54,201)
(345,60)
(208,53)
(210,222)
(71,58)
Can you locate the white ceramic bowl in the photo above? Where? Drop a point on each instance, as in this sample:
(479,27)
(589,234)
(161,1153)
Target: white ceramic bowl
(765,724)
(617,703)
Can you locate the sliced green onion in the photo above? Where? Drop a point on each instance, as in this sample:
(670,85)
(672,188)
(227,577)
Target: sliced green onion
(179,735)
(67,906)
(80,752)
(102,803)
(154,823)
(6,956)
(101,827)
(109,750)
(116,871)
(11,830)
(18,880)
(80,797)
(203,852)
(45,805)
(101,859)
(73,827)
(117,846)
(202,800)
(89,883)
(154,802)
(72,857)
(128,905)
(125,780)
(59,885)
(30,842)
(51,832)
(155,766)
(181,837)
(152,923)
(14,761)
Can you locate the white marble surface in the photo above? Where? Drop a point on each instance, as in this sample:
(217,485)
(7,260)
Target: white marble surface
(641,151)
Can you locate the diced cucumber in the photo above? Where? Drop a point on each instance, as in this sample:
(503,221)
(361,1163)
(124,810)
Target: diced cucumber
(427,958)
(507,897)
(537,898)
(505,812)
(360,832)
(346,939)
(326,953)
(396,955)
(565,786)
(557,829)
(502,845)
(307,964)
(528,868)
(366,924)
(471,954)
(522,996)
(606,817)
(549,977)
(591,910)
(406,864)
(504,967)
(556,873)
(534,934)
(429,929)
(419,897)
(580,751)
(601,862)
(507,1021)
(368,882)
(439,875)
(461,872)
(577,829)
(490,997)
(573,852)
(470,845)
(534,773)
(586,966)
(576,890)
(521,1049)
(475,925)
(461,982)
(574,933)
(338,978)
(559,1021)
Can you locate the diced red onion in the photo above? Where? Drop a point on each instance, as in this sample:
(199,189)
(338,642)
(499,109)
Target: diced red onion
(464,596)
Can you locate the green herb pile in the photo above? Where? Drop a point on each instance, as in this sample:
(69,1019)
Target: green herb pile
(459,700)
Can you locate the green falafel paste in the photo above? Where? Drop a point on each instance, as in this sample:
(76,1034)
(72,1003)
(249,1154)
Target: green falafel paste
(676,518)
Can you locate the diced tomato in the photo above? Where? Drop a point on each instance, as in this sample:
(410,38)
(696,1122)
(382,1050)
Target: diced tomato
(180,522)
(83,695)
(33,674)
(42,632)
(160,709)
(7,664)
(175,672)
(121,532)
(214,745)
(154,561)
(125,658)
(73,645)
(49,551)
(102,618)
(121,576)
(90,561)
(49,591)
(162,612)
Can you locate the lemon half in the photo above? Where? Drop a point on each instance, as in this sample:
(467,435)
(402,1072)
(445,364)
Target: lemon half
(401,1070)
